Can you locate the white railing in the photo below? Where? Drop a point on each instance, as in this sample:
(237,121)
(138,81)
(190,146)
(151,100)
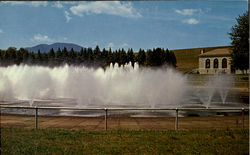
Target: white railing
(36,108)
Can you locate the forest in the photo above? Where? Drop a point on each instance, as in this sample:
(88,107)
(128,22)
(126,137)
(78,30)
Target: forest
(88,57)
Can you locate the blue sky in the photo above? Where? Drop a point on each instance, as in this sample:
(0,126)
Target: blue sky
(136,24)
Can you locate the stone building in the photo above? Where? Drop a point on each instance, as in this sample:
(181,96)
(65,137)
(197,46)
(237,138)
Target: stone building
(215,61)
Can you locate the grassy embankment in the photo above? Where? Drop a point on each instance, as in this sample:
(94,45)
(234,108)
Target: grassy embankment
(188,59)
(56,141)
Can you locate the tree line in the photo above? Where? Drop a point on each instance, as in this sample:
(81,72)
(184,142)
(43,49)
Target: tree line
(87,56)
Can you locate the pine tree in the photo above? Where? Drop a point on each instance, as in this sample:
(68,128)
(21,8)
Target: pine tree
(131,56)
(39,57)
(141,57)
(90,55)
(104,57)
(168,57)
(25,56)
(65,55)
(110,56)
(18,57)
(85,54)
(97,54)
(1,55)
(45,58)
(32,58)
(149,57)
(173,59)
(123,58)
(72,56)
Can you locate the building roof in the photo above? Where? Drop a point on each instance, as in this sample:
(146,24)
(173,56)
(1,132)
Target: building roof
(216,52)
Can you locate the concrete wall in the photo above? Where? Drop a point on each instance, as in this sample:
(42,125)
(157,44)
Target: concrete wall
(212,70)
(242,72)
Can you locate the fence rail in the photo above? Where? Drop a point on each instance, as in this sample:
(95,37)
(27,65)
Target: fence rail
(36,108)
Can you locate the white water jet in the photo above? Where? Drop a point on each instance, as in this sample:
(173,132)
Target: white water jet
(224,82)
(115,86)
(220,83)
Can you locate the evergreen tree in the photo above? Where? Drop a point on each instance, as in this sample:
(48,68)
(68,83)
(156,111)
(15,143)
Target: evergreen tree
(240,42)
(122,57)
(10,55)
(58,53)
(85,54)
(149,57)
(156,59)
(25,54)
(72,56)
(116,57)
(18,57)
(45,58)
(104,57)
(51,54)
(81,55)
(90,56)
(65,55)
(141,57)
(32,58)
(131,56)
(110,57)
(173,59)
(1,55)
(58,57)
(97,54)
(39,57)
(168,57)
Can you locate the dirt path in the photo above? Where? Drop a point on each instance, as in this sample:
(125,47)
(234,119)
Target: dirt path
(97,123)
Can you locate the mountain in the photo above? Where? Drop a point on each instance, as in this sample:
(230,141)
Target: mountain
(55,46)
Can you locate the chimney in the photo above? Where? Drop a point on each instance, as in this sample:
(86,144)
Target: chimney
(202,51)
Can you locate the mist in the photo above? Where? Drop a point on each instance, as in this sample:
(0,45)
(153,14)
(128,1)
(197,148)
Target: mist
(114,86)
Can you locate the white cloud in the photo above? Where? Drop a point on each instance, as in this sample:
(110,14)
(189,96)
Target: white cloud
(39,38)
(31,4)
(42,38)
(124,9)
(57,5)
(191,21)
(110,45)
(37,4)
(124,45)
(68,18)
(70,2)
(187,12)
(13,2)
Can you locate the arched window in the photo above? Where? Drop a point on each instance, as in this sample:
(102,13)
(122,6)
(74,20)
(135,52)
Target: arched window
(215,63)
(207,63)
(224,63)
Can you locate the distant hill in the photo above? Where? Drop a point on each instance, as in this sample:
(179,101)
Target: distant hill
(55,46)
(188,59)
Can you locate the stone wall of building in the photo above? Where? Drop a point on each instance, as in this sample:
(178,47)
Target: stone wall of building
(212,70)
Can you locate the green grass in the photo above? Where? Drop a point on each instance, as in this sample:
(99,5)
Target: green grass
(57,141)
(239,80)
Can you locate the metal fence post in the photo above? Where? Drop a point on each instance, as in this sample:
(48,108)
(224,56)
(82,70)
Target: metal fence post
(106,118)
(36,115)
(242,118)
(176,119)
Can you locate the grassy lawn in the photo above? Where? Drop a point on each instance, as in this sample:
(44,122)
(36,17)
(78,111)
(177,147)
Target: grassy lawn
(57,141)
(239,80)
